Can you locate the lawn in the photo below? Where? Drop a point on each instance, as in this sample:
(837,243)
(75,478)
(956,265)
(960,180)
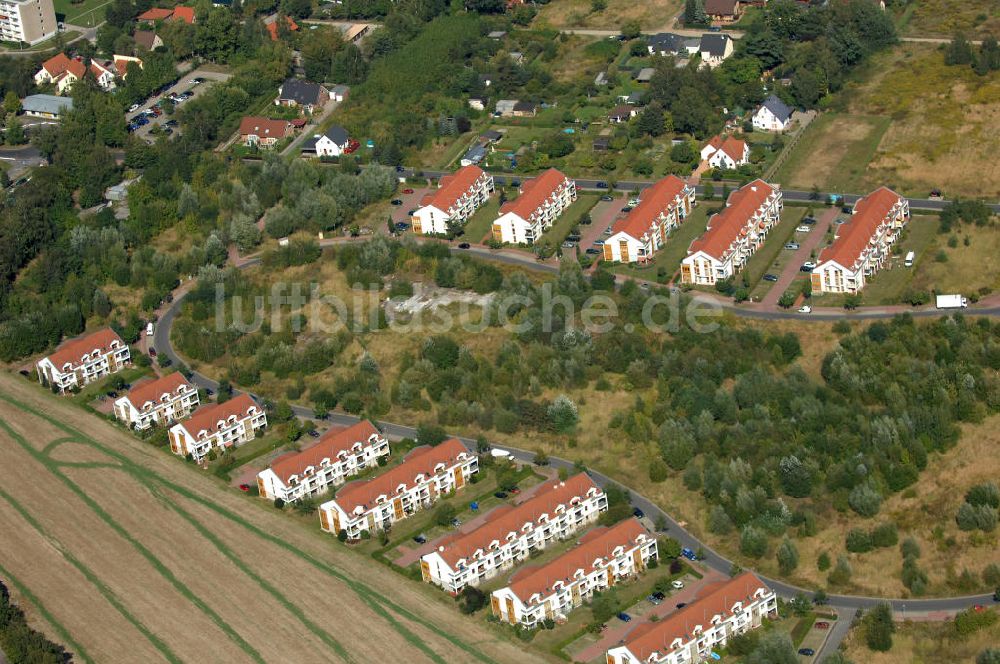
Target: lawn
(668,260)
(773,251)
(943,18)
(480,224)
(72,12)
(570,218)
(833,153)
(653,15)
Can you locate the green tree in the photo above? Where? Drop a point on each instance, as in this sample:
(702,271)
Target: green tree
(879,628)
(753,542)
(788,556)
(959,51)
(651,120)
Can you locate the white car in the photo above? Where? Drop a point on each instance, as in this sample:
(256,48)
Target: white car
(805,309)
(803,229)
(810,264)
(677,584)
(133,108)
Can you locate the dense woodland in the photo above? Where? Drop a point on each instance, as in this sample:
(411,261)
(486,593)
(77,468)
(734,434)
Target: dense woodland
(22,644)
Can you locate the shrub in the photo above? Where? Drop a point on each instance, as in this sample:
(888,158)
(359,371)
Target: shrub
(909,548)
(989,656)
(858,541)
(753,542)
(879,628)
(788,556)
(913,577)
(865,500)
(657,470)
(841,574)
(885,535)
(970,620)
(279,503)
(984,494)
(823,561)
(342,535)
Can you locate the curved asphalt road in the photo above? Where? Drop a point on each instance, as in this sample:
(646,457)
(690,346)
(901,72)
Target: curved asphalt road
(161,341)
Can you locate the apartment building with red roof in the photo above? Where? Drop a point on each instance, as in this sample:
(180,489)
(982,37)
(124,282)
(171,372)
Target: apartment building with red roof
(375,504)
(217,426)
(458,196)
(83,360)
(179,13)
(511,533)
(726,153)
(541,201)
(157,401)
(262,132)
(733,235)
(662,207)
(336,456)
(722,610)
(603,558)
(861,246)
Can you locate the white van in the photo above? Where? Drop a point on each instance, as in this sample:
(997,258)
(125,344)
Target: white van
(908,261)
(149,329)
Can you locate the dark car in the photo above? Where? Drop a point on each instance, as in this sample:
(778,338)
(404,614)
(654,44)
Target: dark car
(681,605)
(624,617)
(654,600)
(152,352)
(420,539)
(627,208)
(396,201)
(401,225)
(808,221)
(808,652)
(515,183)
(314,433)
(573,238)
(592,251)
(805,268)
(500,494)
(464,245)
(601,185)
(821,625)
(658,595)
(170,123)
(399,169)
(638,513)
(770,277)
(607,198)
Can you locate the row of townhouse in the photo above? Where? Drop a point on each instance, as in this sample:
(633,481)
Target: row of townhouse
(511,533)
(663,207)
(217,427)
(541,201)
(375,504)
(863,244)
(157,402)
(603,558)
(84,360)
(335,457)
(691,634)
(458,196)
(733,235)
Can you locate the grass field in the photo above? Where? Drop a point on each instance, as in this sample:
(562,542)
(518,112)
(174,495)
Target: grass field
(163,563)
(653,15)
(923,643)
(480,224)
(833,153)
(90,11)
(570,218)
(668,259)
(943,18)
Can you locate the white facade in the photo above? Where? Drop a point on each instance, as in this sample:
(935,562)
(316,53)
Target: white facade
(604,557)
(416,484)
(218,427)
(556,512)
(662,208)
(457,198)
(733,235)
(326,147)
(330,462)
(541,202)
(773,115)
(158,402)
(81,361)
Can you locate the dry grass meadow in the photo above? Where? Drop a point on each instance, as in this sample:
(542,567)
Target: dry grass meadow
(943,18)
(652,15)
(124,553)
(923,643)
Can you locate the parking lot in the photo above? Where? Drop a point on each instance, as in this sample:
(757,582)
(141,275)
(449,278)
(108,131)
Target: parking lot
(187,83)
(790,261)
(603,215)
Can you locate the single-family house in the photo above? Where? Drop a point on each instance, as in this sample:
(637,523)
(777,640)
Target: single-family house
(217,427)
(474,156)
(458,196)
(662,207)
(178,13)
(622,113)
(338,455)
(861,246)
(733,235)
(273,27)
(158,401)
(525,109)
(122,62)
(667,43)
(417,483)
(724,609)
(261,132)
(147,39)
(331,143)
(511,533)
(726,153)
(541,201)
(297,92)
(715,48)
(83,360)
(723,11)
(603,558)
(61,71)
(505,107)
(490,136)
(773,115)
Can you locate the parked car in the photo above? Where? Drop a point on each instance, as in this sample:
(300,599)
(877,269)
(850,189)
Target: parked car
(514,489)
(500,494)
(601,185)
(676,584)
(197,81)
(654,600)
(802,229)
(314,433)
(638,513)
(770,277)
(133,108)
(805,268)
(809,221)
(688,553)
(420,539)
(934,195)
(810,264)
(568,245)
(624,617)
(464,245)
(244,488)
(808,652)
(401,225)
(681,605)
(170,123)
(607,198)
(152,352)
(593,252)
(397,202)
(573,237)
(805,309)
(627,209)
(407,191)
(822,624)
(792,245)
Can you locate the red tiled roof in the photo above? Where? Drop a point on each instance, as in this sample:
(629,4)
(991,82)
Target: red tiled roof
(77,68)
(155,14)
(73,350)
(854,236)
(57,64)
(726,226)
(272,27)
(734,147)
(185,14)
(655,199)
(152,390)
(263,127)
(327,447)
(207,417)
(534,192)
(715,142)
(716,599)
(502,521)
(599,543)
(452,187)
(420,461)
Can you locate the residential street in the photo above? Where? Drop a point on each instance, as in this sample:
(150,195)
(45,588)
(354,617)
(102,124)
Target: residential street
(20,158)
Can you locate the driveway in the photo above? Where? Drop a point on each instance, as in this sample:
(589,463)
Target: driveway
(603,214)
(401,213)
(315,122)
(807,242)
(183,85)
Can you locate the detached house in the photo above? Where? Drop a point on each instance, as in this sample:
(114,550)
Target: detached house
(640,234)
(622,113)
(863,244)
(336,456)
(723,11)
(331,143)
(511,533)
(272,26)
(179,13)
(773,115)
(727,153)
(306,95)
(689,635)
(80,361)
(667,43)
(603,558)
(61,71)
(417,483)
(262,132)
(157,401)
(147,39)
(733,235)
(542,200)
(715,48)
(218,426)
(457,198)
